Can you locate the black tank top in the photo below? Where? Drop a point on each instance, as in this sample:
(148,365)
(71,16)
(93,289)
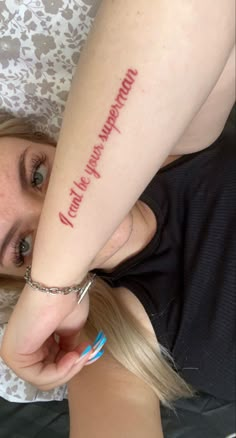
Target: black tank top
(186,276)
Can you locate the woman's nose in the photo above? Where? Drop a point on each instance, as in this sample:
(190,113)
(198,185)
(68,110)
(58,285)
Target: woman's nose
(32,207)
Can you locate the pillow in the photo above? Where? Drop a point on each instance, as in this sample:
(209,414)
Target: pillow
(40,44)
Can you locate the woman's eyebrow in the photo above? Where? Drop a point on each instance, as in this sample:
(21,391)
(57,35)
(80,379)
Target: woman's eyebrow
(22,170)
(7,240)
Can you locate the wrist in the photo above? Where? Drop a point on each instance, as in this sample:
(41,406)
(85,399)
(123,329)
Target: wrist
(79,289)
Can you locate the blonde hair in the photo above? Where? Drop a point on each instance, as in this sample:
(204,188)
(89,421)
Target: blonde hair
(131,345)
(22,128)
(127,339)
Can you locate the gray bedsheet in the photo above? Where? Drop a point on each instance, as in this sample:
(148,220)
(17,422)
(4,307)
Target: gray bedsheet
(201,417)
(34,420)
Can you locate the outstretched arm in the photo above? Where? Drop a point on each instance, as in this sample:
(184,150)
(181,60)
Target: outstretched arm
(145,72)
(145,67)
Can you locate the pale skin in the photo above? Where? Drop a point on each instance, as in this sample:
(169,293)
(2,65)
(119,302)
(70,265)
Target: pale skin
(22,202)
(185,81)
(24,205)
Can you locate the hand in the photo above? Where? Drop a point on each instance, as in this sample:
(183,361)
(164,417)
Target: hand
(42,350)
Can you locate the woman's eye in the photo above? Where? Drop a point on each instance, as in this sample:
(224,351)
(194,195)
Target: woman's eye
(25,246)
(39,175)
(22,249)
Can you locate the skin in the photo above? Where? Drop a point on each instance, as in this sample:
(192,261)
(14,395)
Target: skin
(21,204)
(184,88)
(173,38)
(24,205)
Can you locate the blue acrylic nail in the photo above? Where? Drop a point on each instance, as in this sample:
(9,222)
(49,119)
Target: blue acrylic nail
(99,336)
(98,355)
(86,351)
(100,344)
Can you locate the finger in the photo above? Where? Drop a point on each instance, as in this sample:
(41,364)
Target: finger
(56,367)
(95,354)
(69,343)
(58,374)
(98,344)
(79,349)
(95,358)
(53,352)
(96,347)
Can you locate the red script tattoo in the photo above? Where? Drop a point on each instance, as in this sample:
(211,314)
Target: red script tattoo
(78,188)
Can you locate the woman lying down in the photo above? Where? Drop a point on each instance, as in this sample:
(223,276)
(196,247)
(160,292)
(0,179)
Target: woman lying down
(164,289)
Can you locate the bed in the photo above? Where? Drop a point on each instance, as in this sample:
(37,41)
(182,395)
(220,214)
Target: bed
(33,86)
(203,417)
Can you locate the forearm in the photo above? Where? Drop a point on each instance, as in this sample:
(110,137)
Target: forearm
(172,72)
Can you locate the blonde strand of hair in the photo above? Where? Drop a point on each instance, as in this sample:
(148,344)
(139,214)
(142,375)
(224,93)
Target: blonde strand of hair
(129,345)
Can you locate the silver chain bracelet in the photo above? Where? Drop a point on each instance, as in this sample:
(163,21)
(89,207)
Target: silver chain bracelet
(80,289)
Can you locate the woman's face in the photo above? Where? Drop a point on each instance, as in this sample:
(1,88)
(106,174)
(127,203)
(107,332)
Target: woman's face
(24,177)
(25,169)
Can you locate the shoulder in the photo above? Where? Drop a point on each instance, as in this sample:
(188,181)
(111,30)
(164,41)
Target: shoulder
(106,399)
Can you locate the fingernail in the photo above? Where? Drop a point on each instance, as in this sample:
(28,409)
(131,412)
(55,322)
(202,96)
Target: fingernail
(98,355)
(86,351)
(99,336)
(99,345)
